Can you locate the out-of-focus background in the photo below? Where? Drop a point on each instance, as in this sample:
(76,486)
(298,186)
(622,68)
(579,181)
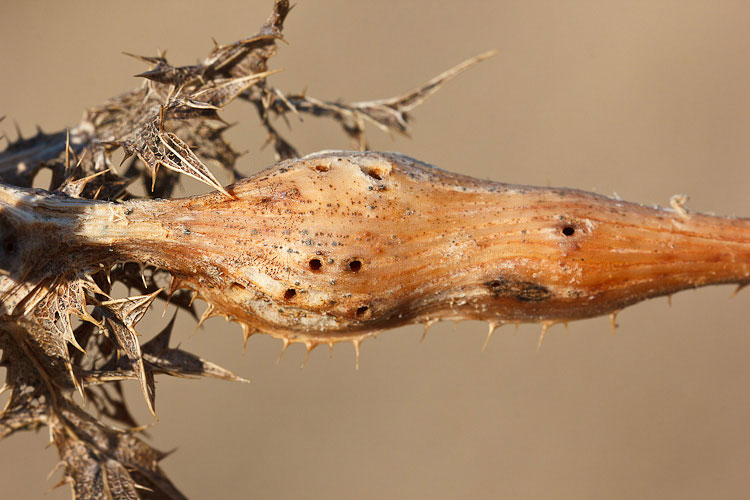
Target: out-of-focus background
(645,99)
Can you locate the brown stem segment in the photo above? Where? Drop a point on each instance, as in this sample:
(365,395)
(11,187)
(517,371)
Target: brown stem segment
(336,246)
(340,244)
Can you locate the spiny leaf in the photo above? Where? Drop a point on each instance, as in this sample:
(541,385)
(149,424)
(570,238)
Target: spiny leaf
(160,358)
(179,363)
(23,158)
(122,315)
(23,412)
(102,462)
(222,92)
(389,115)
(127,340)
(392,113)
(130,275)
(155,148)
(117,481)
(187,162)
(130,310)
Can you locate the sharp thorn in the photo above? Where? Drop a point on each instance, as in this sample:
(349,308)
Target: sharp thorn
(310,346)
(490,331)
(427,325)
(153,178)
(356,343)
(545,327)
(206,314)
(736,290)
(283,349)
(76,383)
(143,274)
(56,468)
(67,150)
(613,321)
(173,287)
(246,334)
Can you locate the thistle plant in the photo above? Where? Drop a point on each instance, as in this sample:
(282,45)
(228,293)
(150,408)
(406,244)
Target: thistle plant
(330,247)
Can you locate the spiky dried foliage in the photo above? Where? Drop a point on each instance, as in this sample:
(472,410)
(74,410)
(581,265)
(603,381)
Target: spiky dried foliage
(170,121)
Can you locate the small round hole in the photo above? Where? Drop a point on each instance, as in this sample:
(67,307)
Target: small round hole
(361,310)
(355,265)
(374,175)
(315,264)
(289,294)
(9,245)
(568,230)
(322,168)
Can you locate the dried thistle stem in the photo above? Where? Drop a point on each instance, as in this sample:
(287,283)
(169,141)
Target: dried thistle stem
(338,246)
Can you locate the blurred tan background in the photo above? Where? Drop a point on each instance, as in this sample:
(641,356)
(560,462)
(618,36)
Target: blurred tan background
(646,99)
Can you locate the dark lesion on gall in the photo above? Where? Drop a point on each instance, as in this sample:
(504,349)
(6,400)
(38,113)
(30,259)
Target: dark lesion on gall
(9,244)
(375,172)
(363,312)
(11,258)
(524,291)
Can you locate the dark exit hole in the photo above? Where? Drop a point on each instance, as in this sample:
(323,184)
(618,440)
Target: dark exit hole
(361,310)
(9,245)
(568,230)
(355,265)
(315,264)
(290,293)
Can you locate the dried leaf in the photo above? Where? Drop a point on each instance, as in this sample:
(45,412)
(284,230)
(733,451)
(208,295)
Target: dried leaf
(130,310)
(127,340)
(160,358)
(23,412)
(117,481)
(222,92)
(389,115)
(102,462)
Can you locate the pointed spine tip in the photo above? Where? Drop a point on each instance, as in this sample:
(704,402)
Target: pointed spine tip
(208,313)
(427,325)
(356,343)
(545,327)
(247,332)
(309,345)
(284,347)
(491,329)
(613,321)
